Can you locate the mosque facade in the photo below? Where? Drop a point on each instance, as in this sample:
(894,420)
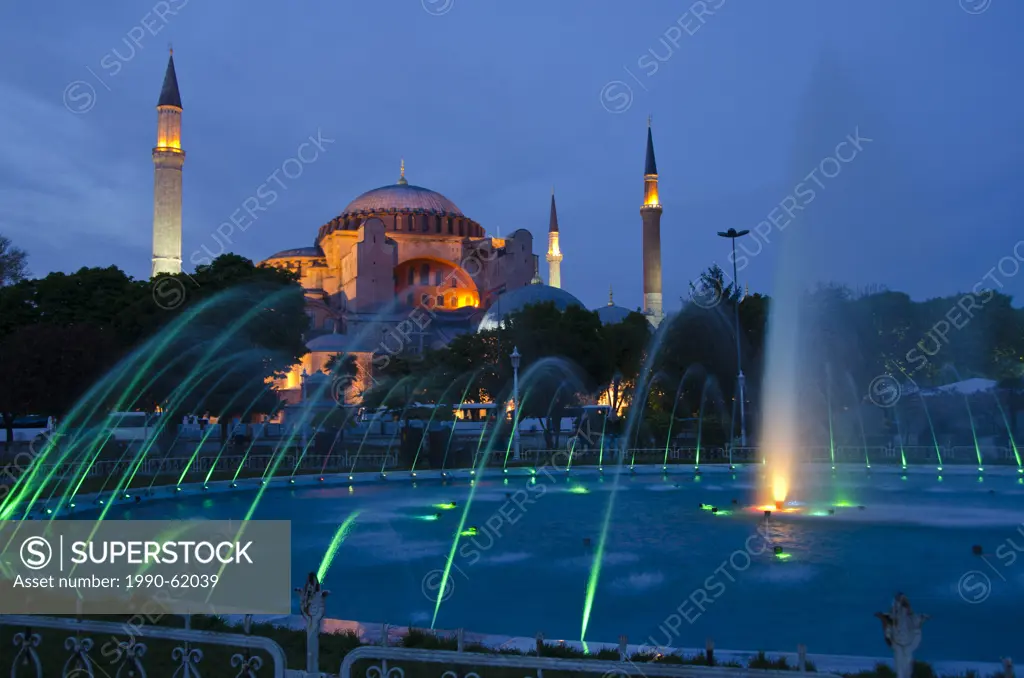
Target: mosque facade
(401,269)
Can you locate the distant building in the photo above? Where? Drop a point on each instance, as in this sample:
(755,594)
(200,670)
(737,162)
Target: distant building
(401,269)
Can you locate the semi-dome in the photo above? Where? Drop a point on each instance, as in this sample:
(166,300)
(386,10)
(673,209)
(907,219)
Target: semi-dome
(612,314)
(298,252)
(516,300)
(402,198)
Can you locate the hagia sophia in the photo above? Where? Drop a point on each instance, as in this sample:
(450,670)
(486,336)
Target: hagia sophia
(401,268)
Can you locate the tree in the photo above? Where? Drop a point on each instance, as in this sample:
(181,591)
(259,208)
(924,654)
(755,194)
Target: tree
(13,267)
(248,330)
(45,368)
(244,326)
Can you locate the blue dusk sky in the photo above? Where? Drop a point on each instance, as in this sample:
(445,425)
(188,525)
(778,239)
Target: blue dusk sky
(493,103)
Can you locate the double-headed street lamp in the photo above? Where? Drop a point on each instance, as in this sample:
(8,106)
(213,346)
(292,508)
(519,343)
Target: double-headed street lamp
(732,234)
(515,399)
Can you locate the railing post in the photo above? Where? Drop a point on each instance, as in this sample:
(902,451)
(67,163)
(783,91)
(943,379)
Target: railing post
(709,651)
(801,658)
(623,643)
(460,640)
(312,605)
(1007,668)
(384,634)
(540,643)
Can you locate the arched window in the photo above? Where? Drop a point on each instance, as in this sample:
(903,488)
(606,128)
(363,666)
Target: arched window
(425,274)
(312,319)
(412,276)
(329,324)
(449,226)
(440,300)
(408,299)
(438,275)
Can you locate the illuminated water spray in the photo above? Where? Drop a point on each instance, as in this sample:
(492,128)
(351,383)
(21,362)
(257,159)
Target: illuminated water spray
(332,549)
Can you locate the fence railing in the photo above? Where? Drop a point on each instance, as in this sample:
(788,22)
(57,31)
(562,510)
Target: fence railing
(123,653)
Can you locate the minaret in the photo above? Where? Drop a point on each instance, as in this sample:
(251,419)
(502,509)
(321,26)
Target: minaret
(650,214)
(168,159)
(554,253)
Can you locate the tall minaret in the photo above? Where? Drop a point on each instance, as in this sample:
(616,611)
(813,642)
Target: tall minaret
(650,214)
(554,253)
(168,159)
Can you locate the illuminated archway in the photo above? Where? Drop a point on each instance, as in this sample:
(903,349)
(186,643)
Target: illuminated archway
(435,284)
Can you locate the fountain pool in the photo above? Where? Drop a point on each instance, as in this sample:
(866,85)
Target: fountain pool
(525,570)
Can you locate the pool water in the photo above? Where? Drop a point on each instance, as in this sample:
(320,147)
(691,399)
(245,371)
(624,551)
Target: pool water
(672,573)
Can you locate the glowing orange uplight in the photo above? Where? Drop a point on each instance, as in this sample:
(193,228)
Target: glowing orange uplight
(780,488)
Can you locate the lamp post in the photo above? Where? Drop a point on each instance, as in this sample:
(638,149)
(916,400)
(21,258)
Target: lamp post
(732,234)
(515,399)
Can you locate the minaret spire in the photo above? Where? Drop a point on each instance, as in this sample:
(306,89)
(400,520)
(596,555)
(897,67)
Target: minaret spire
(554,253)
(401,178)
(650,214)
(168,159)
(611,300)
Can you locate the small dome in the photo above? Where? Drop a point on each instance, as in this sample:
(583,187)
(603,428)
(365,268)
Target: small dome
(610,315)
(515,300)
(402,198)
(298,252)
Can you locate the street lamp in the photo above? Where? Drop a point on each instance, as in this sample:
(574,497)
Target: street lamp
(732,234)
(515,399)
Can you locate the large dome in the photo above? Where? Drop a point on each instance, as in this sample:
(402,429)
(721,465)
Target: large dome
(515,300)
(402,198)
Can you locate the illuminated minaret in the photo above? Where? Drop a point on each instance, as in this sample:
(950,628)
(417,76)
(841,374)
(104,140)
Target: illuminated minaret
(554,253)
(650,214)
(168,159)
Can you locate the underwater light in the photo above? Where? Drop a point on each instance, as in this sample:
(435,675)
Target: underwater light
(472,473)
(783,556)
(446,506)
(470,532)
(1020,470)
(71,505)
(350,478)
(706,507)
(100,502)
(579,489)
(205,488)
(822,513)
(940,468)
(49,511)
(321,479)
(981,469)
(234,484)
(178,489)
(291,481)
